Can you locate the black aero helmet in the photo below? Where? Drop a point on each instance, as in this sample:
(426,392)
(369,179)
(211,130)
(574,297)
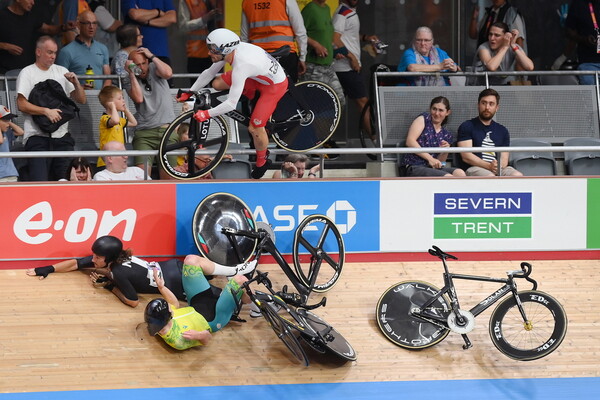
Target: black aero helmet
(109,247)
(157,315)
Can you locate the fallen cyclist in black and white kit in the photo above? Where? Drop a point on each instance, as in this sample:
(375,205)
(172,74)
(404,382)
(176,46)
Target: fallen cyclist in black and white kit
(125,275)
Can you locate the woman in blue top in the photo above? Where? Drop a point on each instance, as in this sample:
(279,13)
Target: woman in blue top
(428,130)
(423,56)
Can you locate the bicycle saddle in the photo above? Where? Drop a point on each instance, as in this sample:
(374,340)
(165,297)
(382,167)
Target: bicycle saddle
(437,252)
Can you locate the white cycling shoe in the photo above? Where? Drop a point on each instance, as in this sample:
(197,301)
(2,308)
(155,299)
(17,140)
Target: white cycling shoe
(246,268)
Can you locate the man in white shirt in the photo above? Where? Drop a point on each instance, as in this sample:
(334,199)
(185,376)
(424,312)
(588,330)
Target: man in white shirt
(42,169)
(116,166)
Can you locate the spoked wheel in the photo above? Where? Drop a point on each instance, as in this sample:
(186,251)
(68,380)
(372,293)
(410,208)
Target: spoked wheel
(284,333)
(538,336)
(223,210)
(195,165)
(368,130)
(395,319)
(332,339)
(318,253)
(298,130)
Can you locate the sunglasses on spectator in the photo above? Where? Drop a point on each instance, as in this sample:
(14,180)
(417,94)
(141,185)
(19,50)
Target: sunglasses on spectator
(147,86)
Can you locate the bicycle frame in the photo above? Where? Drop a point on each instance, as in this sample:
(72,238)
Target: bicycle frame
(449,289)
(266,244)
(206,100)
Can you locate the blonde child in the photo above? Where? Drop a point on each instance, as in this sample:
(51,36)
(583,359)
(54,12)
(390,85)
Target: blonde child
(111,123)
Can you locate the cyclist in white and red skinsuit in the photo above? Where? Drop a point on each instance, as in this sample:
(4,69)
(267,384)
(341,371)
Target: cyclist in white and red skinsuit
(252,70)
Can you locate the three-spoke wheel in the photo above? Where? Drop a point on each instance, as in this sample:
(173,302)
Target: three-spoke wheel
(209,136)
(318,253)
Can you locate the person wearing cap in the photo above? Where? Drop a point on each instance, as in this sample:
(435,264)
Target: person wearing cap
(125,275)
(8,130)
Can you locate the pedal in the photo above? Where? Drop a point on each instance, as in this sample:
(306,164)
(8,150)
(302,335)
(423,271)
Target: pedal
(468,343)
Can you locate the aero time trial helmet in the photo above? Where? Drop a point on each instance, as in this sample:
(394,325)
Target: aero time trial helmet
(109,247)
(222,41)
(157,315)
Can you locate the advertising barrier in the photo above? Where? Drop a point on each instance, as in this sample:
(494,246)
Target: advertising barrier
(57,221)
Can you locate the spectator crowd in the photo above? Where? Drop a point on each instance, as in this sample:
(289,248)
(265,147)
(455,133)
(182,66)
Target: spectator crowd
(72,41)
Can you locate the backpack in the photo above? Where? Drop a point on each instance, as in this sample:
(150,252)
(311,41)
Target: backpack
(50,94)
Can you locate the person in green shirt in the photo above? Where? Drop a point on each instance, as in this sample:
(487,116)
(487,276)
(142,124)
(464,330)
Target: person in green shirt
(319,28)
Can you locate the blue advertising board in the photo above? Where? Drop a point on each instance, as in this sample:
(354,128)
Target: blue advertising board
(353,206)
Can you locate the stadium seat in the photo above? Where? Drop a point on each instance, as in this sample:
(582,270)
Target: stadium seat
(232,169)
(237,146)
(532,163)
(582,162)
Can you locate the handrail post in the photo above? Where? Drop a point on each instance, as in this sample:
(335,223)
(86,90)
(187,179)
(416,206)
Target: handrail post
(597,94)
(378,116)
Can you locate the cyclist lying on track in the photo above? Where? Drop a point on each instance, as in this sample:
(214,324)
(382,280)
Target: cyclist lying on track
(253,69)
(125,275)
(185,327)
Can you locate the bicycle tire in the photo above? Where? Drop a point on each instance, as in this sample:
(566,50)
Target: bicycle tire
(318,239)
(519,341)
(365,137)
(334,341)
(398,325)
(217,139)
(318,126)
(223,210)
(284,333)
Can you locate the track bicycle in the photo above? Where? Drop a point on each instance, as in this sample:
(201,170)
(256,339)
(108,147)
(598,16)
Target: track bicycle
(294,323)
(527,325)
(225,232)
(305,118)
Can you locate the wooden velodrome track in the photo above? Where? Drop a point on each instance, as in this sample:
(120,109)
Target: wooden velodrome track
(61,335)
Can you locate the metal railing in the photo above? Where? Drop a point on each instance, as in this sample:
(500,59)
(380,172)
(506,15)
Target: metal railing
(348,151)
(320,152)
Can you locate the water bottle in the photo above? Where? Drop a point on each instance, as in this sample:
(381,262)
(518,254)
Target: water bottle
(89,71)
(380,46)
(137,71)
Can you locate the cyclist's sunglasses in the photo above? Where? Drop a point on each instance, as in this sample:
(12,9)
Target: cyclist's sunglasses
(214,49)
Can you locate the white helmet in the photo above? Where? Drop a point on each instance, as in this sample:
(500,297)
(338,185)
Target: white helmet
(222,41)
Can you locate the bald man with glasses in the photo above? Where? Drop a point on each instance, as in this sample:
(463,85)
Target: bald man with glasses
(84,52)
